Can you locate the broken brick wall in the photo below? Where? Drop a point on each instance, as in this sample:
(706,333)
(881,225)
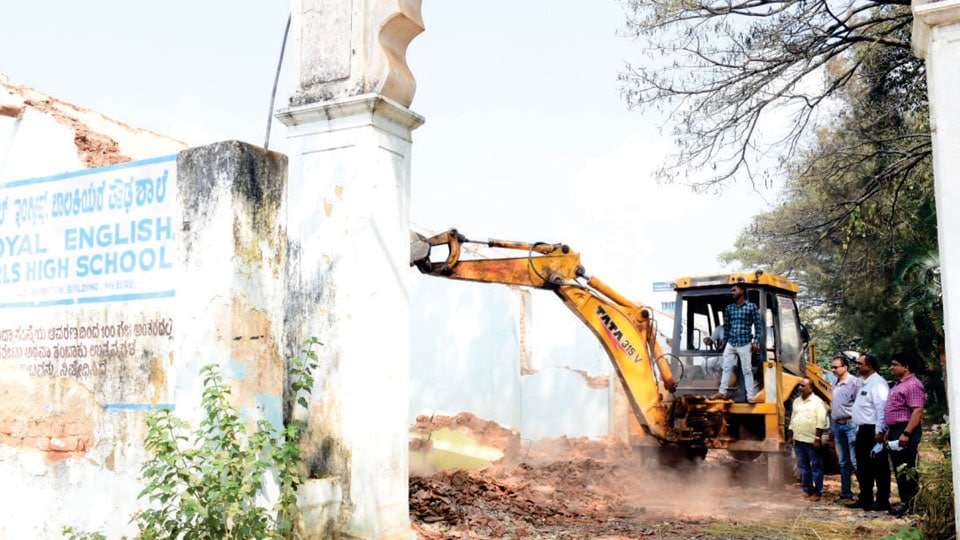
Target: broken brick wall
(41,135)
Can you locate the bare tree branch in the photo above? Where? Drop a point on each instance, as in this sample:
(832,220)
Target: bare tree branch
(723,69)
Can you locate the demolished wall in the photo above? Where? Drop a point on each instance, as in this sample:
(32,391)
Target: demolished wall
(41,135)
(510,355)
(514,356)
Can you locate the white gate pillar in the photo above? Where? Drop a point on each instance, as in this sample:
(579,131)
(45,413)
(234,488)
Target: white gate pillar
(348,222)
(936,39)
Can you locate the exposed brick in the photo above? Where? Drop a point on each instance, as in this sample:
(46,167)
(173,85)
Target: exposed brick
(26,421)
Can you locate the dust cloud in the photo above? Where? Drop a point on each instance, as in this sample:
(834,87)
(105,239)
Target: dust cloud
(601,488)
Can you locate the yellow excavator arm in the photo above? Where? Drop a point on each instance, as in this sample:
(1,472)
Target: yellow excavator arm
(625,328)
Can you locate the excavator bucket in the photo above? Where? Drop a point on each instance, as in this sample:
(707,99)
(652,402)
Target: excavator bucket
(419,249)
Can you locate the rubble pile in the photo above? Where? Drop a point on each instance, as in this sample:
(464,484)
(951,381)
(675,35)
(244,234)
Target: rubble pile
(563,488)
(574,489)
(568,499)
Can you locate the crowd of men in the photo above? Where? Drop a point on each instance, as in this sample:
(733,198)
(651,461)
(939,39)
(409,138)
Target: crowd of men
(874,426)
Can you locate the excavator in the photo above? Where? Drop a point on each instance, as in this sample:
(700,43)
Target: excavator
(670,393)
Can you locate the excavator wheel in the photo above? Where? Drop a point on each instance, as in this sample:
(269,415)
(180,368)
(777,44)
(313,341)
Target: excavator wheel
(680,457)
(745,456)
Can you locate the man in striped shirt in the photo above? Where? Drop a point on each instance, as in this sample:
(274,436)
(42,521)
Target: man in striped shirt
(902,415)
(741,329)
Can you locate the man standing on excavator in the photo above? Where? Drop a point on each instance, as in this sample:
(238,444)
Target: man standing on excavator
(741,328)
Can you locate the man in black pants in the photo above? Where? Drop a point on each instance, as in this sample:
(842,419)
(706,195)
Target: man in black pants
(868,408)
(903,414)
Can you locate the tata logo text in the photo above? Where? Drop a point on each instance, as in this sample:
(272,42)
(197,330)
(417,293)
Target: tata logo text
(616,334)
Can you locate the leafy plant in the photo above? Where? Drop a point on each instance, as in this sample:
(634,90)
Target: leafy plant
(73,534)
(210,484)
(934,503)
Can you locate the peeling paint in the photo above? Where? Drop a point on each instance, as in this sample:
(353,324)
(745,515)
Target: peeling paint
(255,369)
(158,380)
(235,370)
(270,408)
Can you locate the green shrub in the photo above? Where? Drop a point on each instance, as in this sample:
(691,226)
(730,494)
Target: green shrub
(934,502)
(906,533)
(209,484)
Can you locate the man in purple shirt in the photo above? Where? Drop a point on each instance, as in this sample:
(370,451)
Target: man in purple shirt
(902,416)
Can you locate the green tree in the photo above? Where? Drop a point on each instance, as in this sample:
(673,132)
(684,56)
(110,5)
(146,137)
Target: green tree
(857,225)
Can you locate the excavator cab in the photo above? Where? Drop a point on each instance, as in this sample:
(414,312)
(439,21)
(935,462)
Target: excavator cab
(747,430)
(700,302)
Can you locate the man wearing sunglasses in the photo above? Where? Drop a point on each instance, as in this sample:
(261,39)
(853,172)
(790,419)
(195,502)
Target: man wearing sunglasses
(843,393)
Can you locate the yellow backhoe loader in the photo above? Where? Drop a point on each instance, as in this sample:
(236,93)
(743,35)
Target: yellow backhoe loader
(668,391)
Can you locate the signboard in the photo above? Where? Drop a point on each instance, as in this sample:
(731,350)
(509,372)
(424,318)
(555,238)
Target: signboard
(99,235)
(668,306)
(88,272)
(662,286)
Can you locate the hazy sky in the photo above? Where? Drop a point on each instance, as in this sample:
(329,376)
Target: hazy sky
(526,136)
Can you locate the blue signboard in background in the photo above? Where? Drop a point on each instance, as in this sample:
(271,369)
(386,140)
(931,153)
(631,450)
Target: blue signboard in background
(662,286)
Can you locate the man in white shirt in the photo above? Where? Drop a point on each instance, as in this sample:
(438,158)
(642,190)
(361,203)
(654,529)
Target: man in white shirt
(716,338)
(867,413)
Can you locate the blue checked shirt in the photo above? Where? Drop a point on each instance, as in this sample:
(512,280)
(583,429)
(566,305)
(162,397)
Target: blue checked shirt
(738,321)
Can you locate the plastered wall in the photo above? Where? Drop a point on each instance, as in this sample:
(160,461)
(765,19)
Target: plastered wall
(514,356)
(117,285)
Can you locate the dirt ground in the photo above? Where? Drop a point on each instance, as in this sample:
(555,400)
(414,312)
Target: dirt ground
(589,489)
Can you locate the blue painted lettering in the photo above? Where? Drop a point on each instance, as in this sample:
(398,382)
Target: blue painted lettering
(145,260)
(9,273)
(41,269)
(118,234)
(21,244)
